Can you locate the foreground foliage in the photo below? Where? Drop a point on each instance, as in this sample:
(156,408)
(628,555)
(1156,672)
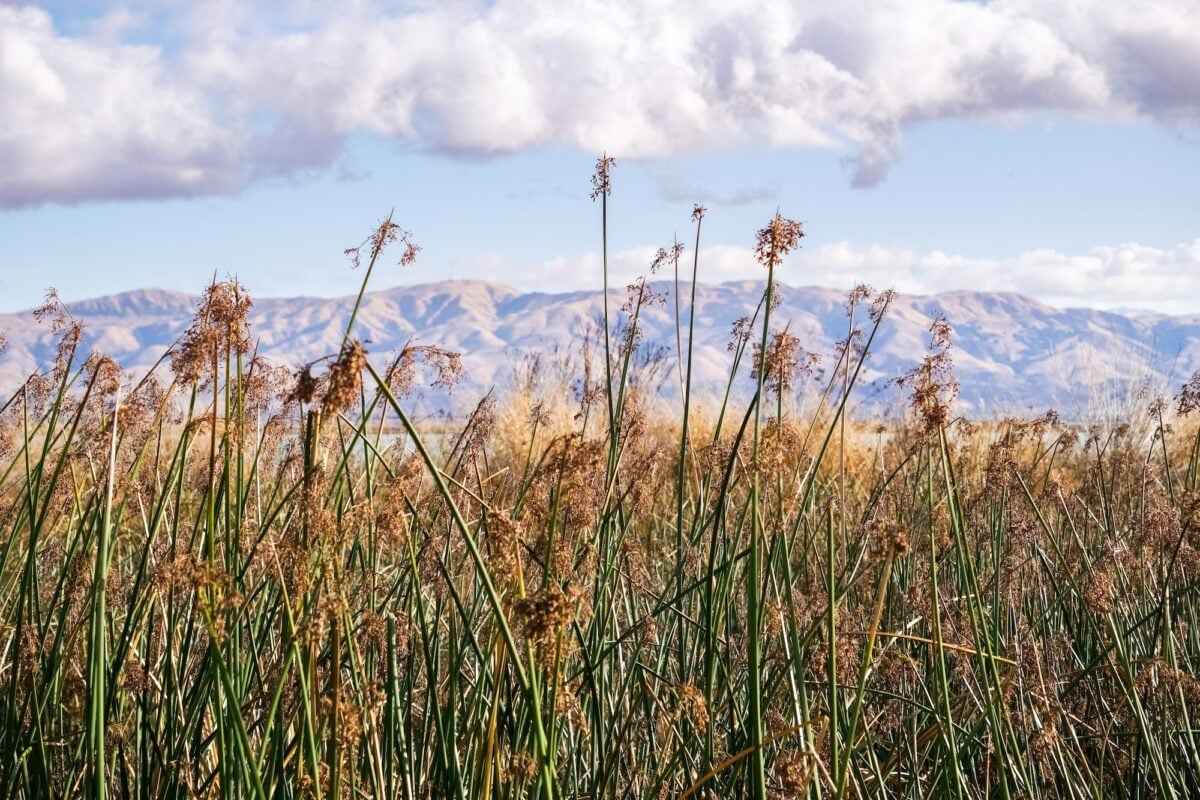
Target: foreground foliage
(249,583)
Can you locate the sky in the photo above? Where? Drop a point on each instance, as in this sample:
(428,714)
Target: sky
(1048,147)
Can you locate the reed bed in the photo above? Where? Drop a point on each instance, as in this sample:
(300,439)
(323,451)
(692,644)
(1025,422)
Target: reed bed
(229,579)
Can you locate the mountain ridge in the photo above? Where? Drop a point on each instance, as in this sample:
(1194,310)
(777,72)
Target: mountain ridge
(1012,353)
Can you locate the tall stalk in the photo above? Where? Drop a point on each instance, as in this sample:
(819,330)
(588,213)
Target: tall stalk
(97,636)
(774,242)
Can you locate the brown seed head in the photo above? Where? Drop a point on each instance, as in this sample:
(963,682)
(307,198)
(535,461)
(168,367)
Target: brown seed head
(857,295)
(784,361)
(793,770)
(521,768)
(506,538)
(104,374)
(53,311)
(777,239)
(740,334)
(665,256)
(345,379)
(545,614)
(539,415)
(692,706)
(220,326)
(444,366)
(385,234)
(305,388)
(931,384)
(1188,399)
(880,304)
(889,539)
(601,178)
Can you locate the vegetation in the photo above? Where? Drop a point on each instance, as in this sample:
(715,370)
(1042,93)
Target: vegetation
(248,582)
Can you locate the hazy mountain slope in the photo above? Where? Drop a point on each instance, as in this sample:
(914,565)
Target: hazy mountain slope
(1012,353)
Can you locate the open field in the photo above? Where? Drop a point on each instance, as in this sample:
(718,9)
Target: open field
(226,579)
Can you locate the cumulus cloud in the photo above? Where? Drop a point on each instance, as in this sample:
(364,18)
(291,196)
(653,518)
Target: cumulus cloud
(1118,276)
(85,120)
(239,95)
(1126,276)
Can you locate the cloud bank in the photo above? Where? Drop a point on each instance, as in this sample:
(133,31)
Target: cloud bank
(223,95)
(1127,276)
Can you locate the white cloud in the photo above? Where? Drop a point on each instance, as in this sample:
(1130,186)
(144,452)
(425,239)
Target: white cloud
(83,120)
(1119,276)
(239,96)
(1128,276)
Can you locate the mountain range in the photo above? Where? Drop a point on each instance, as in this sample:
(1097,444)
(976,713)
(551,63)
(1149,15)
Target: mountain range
(1012,354)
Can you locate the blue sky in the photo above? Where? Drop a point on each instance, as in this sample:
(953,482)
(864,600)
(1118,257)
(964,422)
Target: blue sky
(152,151)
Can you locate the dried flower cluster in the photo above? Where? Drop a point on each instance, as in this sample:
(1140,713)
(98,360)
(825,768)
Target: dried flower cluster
(931,384)
(602,177)
(776,240)
(220,330)
(385,234)
(783,363)
(667,256)
(543,616)
(445,366)
(345,379)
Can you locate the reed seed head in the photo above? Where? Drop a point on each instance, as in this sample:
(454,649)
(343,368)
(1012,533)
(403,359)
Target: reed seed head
(345,379)
(776,240)
(602,177)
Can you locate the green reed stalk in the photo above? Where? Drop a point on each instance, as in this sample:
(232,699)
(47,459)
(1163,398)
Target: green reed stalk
(682,465)
(97,644)
(758,764)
